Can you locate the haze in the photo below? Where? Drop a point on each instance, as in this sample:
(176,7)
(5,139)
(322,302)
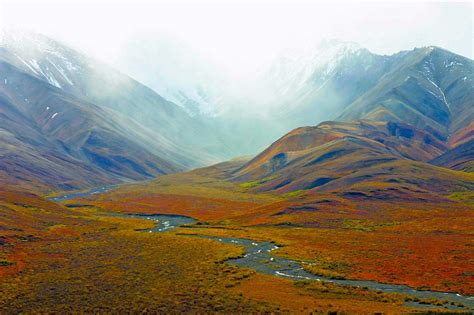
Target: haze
(242,38)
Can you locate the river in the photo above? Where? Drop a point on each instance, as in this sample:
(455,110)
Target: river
(258,256)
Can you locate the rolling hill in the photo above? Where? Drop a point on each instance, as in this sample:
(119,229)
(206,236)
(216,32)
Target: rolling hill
(459,158)
(360,159)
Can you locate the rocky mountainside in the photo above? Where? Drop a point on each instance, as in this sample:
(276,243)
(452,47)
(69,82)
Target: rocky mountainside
(430,88)
(62,109)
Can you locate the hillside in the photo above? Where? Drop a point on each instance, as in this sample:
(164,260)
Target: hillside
(360,159)
(58,140)
(430,88)
(61,108)
(459,158)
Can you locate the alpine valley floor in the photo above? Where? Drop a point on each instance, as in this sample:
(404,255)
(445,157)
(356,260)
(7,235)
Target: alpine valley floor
(74,258)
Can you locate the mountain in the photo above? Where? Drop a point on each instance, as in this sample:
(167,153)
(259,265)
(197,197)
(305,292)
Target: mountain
(317,82)
(430,88)
(175,71)
(357,159)
(301,87)
(68,121)
(459,158)
(61,108)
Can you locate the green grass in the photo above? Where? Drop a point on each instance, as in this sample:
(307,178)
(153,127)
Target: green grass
(250,185)
(366,226)
(465,196)
(296,193)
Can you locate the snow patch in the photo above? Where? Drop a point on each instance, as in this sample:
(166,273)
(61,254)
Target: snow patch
(453,63)
(35,65)
(440,92)
(52,80)
(62,72)
(27,64)
(54,115)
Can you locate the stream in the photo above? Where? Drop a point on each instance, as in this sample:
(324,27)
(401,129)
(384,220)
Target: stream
(258,257)
(92,191)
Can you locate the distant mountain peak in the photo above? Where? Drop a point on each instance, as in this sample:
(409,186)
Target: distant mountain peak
(43,57)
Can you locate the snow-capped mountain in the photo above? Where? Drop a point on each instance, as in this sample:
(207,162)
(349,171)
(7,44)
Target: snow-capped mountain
(430,88)
(313,65)
(60,108)
(45,58)
(302,86)
(177,73)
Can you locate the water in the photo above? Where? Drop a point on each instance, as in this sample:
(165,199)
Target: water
(258,257)
(164,222)
(83,194)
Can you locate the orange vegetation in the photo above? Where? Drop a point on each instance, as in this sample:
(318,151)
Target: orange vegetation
(75,261)
(305,297)
(423,245)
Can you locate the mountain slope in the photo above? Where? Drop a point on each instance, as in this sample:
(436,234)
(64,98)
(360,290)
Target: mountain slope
(430,88)
(165,128)
(362,158)
(58,140)
(459,158)
(68,121)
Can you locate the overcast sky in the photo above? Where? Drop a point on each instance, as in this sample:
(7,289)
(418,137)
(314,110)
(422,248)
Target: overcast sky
(243,34)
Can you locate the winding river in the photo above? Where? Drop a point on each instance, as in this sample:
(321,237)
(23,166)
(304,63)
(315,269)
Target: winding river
(258,257)
(74,195)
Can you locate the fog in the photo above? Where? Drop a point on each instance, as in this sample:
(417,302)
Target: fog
(242,36)
(241,66)
(183,48)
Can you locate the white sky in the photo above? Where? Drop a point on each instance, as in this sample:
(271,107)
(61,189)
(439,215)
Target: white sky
(241,35)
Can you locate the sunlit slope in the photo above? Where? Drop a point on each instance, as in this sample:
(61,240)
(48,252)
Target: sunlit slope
(360,159)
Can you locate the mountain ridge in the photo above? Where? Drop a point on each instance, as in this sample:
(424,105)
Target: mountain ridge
(430,89)
(88,113)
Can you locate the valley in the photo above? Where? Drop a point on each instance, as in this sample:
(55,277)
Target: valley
(337,233)
(336,180)
(258,256)
(80,234)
